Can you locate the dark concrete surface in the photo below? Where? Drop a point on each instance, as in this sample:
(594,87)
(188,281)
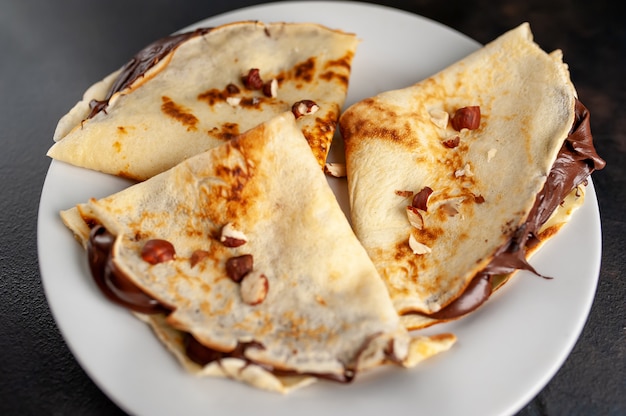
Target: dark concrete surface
(53,50)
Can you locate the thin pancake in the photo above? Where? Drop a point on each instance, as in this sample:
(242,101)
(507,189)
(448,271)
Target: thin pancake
(484,185)
(193,98)
(325,313)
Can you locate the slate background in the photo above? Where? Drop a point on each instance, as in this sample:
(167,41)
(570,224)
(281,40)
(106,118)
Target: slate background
(53,50)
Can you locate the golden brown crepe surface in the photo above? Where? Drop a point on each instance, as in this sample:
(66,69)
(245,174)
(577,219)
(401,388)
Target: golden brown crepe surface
(326,311)
(185,104)
(483,189)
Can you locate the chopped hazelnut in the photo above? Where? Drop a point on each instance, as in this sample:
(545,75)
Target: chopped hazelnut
(439,118)
(466,118)
(252,79)
(232,237)
(417,247)
(452,142)
(158,251)
(234,101)
(238,267)
(232,89)
(254,288)
(420,200)
(415,218)
(197,256)
(304,107)
(270,89)
(465,171)
(337,170)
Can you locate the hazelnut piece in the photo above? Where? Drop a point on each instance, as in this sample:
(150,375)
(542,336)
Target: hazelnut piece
(197,256)
(254,288)
(417,247)
(304,108)
(452,142)
(415,218)
(232,237)
(439,118)
(158,251)
(238,267)
(466,118)
(337,170)
(233,101)
(465,171)
(270,88)
(232,89)
(252,79)
(420,200)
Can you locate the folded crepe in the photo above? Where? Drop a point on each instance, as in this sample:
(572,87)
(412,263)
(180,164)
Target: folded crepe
(246,267)
(454,181)
(189,92)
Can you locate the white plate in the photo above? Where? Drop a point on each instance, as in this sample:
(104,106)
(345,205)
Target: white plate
(507,351)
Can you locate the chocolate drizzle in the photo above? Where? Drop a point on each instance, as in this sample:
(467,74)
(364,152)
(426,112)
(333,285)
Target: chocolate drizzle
(111,281)
(576,160)
(475,294)
(141,63)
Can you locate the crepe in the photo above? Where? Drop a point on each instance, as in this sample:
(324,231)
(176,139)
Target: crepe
(190,92)
(310,305)
(443,175)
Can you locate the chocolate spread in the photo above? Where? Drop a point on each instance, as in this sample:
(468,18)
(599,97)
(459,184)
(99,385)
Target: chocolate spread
(576,160)
(111,281)
(142,62)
